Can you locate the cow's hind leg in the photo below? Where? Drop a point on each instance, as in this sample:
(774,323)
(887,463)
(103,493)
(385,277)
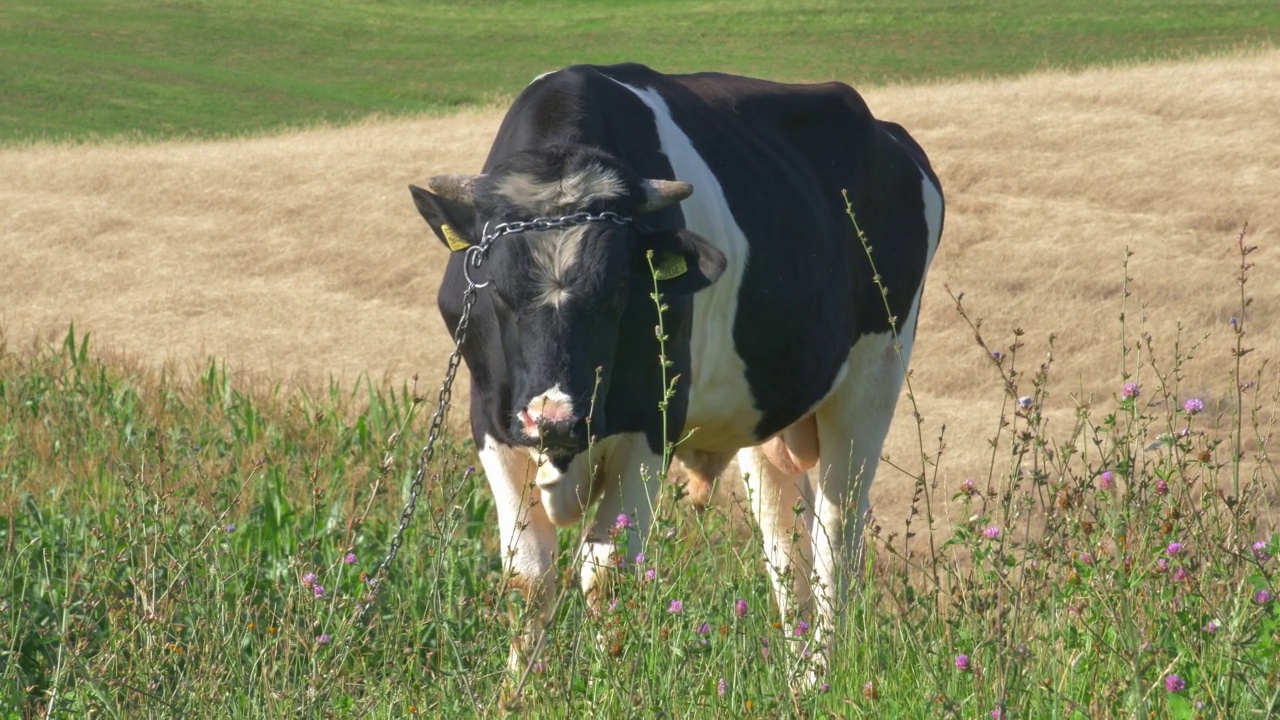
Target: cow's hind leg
(852,424)
(782,505)
(528,543)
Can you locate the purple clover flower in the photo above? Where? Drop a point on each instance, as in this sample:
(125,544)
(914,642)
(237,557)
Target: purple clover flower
(1193,406)
(962,662)
(323,639)
(622,521)
(740,608)
(1106,480)
(318,590)
(1162,488)
(676,607)
(230,527)
(308,580)
(1024,402)
(967,487)
(703,629)
(1212,626)
(349,558)
(1130,391)
(650,575)
(1174,548)
(1174,683)
(641,558)
(991,533)
(722,687)
(1260,551)
(1262,597)
(802,627)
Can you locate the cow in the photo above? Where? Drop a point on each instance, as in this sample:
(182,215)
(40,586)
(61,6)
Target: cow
(784,340)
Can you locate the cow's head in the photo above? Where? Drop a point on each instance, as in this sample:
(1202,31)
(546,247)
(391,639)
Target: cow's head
(559,294)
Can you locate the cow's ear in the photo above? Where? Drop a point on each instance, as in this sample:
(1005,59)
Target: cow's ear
(451,220)
(683,261)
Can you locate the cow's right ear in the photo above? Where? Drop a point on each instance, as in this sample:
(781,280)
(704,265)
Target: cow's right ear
(451,218)
(682,261)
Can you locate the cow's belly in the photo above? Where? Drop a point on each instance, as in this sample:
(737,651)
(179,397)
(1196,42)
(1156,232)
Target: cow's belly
(723,416)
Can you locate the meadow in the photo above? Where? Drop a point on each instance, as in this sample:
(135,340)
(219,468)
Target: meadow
(202,68)
(217,356)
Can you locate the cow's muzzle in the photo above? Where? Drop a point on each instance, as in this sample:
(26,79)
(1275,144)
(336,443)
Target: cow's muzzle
(550,422)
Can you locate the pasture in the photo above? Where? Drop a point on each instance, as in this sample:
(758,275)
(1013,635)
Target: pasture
(202,68)
(193,478)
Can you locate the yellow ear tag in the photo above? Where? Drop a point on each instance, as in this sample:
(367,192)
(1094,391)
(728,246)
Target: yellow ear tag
(456,242)
(672,266)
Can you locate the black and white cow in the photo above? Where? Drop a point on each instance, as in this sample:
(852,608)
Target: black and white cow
(780,343)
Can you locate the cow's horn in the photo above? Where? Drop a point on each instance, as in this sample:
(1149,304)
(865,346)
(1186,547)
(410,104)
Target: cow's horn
(458,188)
(661,193)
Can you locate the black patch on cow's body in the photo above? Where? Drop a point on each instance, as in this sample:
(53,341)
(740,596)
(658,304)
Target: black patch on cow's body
(783,154)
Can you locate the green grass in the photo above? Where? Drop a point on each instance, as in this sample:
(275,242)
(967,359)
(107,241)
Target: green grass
(180,547)
(159,531)
(75,69)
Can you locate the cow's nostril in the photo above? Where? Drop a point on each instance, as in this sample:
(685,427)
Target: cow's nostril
(529,422)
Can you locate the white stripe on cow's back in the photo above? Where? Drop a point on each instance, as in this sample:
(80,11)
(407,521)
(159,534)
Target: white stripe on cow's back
(722,412)
(932,195)
(549,72)
(932,201)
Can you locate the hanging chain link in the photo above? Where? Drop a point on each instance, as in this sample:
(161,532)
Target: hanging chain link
(582,218)
(475,256)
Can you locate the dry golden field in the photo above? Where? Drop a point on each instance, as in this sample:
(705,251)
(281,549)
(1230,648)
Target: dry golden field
(300,257)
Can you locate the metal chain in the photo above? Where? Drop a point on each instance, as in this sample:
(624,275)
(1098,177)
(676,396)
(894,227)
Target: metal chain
(475,255)
(539,224)
(428,450)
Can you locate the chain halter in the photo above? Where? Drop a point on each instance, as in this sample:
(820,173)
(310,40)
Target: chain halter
(475,256)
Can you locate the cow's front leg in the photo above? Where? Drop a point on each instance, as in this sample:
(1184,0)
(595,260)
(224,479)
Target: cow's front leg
(782,505)
(528,543)
(630,479)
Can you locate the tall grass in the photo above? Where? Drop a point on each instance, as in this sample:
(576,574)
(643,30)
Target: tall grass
(196,547)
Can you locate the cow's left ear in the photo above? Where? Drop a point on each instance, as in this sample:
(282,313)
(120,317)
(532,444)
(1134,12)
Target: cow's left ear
(452,218)
(683,261)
